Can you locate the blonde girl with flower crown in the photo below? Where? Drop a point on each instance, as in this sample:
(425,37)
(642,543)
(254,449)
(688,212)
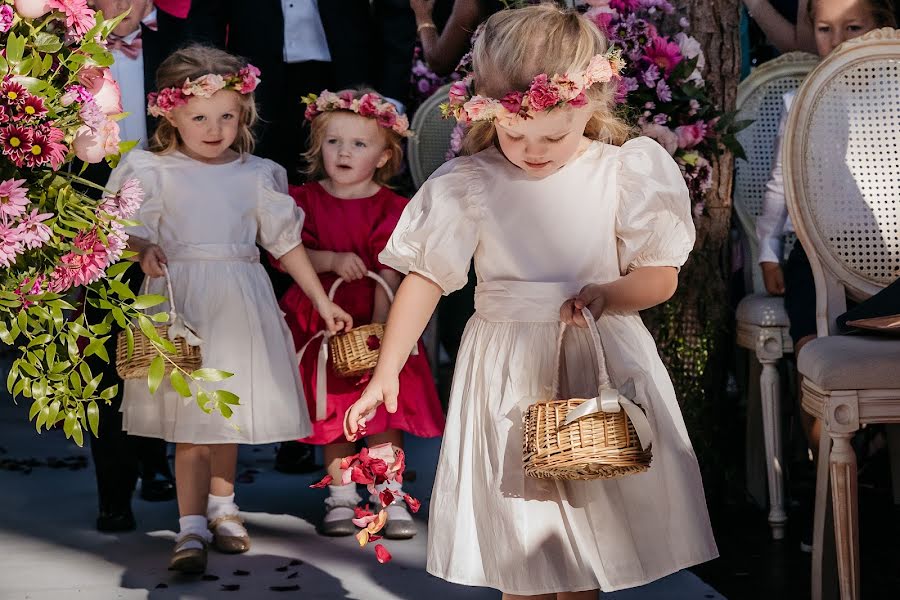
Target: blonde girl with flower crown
(354,151)
(561,214)
(208,202)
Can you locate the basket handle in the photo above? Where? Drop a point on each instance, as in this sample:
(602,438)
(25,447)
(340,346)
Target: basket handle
(602,373)
(370,274)
(145,289)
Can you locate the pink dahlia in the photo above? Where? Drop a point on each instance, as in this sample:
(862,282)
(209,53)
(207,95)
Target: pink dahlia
(79,17)
(32,231)
(10,245)
(82,267)
(13,198)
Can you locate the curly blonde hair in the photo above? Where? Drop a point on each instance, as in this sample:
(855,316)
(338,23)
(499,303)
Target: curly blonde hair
(517,45)
(315,166)
(192,62)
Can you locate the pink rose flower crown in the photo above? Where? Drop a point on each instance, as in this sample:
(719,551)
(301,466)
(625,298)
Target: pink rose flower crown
(544,94)
(167,99)
(369,105)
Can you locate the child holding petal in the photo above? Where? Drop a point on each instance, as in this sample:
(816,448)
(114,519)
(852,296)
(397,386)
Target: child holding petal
(350,214)
(560,214)
(207,203)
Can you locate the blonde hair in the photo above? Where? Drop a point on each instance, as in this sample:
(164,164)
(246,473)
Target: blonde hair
(191,63)
(882,12)
(315,166)
(517,45)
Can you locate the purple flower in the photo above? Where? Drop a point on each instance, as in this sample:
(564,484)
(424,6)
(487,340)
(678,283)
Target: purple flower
(6,18)
(663,91)
(661,119)
(650,76)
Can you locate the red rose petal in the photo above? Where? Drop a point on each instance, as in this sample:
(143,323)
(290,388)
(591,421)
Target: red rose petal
(382,554)
(326,481)
(373,343)
(413,504)
(387,498)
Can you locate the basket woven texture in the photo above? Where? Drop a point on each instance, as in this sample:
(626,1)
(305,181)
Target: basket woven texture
(601,445)
(138,365)
(355,352)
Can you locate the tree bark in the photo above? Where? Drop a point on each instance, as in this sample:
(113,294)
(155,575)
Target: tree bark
(693,329)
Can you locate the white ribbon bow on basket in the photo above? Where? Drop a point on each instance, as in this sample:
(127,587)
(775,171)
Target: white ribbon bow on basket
(608,398)
(322,360)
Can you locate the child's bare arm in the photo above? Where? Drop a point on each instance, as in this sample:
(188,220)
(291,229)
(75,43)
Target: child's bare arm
(150,256)
(347,265)
(382,304)
(642,288)
(296,262)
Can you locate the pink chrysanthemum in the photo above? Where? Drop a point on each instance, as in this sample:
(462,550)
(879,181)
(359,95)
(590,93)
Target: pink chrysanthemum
(79,17)
(32,108)
(664,54)
(117,243)
(15,142)
(55,149)
(82,267)
(10,245)
(32,231)
(125,203)
(12,92)
(13,198)
(6,18)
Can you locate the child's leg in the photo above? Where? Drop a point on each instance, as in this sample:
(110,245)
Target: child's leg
(342,499)
(591,595)
(541,597)
(228,528)
(192,482)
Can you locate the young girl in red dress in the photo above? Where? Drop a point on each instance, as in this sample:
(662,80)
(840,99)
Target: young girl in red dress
(350,214)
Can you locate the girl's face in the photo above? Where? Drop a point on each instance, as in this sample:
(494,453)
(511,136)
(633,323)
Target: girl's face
(353,148)
(543,145)
(836,21)
(208,126)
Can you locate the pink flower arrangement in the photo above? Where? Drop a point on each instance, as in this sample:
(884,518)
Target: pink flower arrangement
(369,105)
(13,198)
(6,18)
(79,17)
(374,467)
(167,99)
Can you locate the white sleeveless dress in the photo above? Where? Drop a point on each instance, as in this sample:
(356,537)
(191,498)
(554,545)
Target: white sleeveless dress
(208,219)
(537,243)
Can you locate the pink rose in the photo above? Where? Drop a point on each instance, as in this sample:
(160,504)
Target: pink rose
(204,86)
(387,118)
(367,107)
(512,102)
(691,135)
(599,70)
(542,95)
(249,79)
(100,83)
(579,100)
(92,147)
(32,9)
(459,91)
(480,108)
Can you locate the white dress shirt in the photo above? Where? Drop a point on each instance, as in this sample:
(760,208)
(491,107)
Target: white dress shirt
(129,73)
(774,222)
(304,35)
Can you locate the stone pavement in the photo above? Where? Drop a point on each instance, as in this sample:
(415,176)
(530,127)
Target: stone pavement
(49,549)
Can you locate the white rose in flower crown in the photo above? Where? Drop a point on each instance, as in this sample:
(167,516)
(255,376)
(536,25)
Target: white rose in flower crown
(204,86)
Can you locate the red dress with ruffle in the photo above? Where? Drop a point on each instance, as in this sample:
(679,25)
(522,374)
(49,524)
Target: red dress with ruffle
(361,226)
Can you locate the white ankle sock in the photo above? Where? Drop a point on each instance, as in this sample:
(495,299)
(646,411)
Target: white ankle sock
(196,525)
(340,502)
(221,506)
(396,511)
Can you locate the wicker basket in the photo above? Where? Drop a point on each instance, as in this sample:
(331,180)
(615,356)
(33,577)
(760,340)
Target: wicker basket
(355,352)
(599,441)
(138,365)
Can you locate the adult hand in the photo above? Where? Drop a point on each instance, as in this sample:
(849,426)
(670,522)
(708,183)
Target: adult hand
(773,278)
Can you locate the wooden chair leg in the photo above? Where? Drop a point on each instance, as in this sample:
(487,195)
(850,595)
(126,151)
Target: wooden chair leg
(823,584)
(770,396)
(846,514)
(893,435)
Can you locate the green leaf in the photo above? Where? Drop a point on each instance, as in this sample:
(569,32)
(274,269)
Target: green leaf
(211,375)
(36,406)
(78,434)
(148,329)
(118,268)
(5,335)
(129,337)
(54,411)
(160,317)
(125,147)
(93,415)
(85,371)
(15,48)
(227,397)
(148,300)
(70,422)
(121,289)
(50,355)
(119,316)
(179,384)
(202,401)
(225,410)
(40,340)
(110,392)
(91,387)
(41,418)
(75,382)
(58,319)
(28,367)
(157,370)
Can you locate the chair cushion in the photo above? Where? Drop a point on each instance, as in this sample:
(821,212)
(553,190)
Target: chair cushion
(849,362)
(763,310)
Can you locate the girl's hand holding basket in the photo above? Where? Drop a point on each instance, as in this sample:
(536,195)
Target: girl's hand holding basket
(336,318)
(152,259)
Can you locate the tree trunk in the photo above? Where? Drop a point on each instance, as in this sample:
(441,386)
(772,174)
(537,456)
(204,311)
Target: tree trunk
(693,329)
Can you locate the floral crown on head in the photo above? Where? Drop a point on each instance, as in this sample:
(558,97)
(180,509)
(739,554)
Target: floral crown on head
(369,105)
(167,99)
(545,92)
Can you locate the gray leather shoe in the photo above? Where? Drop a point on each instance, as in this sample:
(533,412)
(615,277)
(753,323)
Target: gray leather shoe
(337,528)
(340,527)
(400,529)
